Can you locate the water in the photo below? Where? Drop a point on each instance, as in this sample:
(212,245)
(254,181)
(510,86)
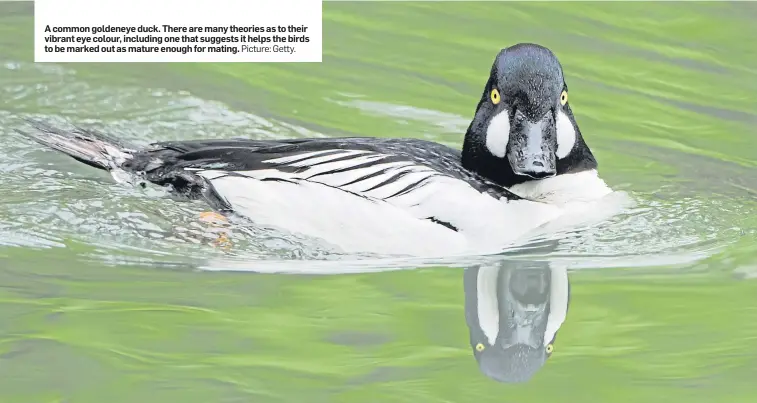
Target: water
(113,293)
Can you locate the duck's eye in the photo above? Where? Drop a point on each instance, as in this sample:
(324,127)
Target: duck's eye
(495,96)
(549,346)
(479,346)
(564,98)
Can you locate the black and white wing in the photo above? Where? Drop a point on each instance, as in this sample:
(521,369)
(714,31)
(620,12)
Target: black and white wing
(363,194)
(420,177)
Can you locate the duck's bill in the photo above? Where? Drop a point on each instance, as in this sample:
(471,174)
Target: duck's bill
(532,147)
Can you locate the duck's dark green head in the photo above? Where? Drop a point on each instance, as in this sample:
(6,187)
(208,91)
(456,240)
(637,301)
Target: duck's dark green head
(523,128)
(513,313)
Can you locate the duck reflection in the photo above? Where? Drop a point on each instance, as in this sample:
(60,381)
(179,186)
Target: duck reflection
(514,310)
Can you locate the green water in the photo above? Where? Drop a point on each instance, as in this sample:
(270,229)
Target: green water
(104,292)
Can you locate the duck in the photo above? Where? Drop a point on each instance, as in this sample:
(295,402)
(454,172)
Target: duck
(522,161)
(514,310)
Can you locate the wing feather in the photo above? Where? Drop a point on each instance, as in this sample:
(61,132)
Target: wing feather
(370,173)
(378,176)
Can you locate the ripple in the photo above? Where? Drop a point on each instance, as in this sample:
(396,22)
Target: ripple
(51,194)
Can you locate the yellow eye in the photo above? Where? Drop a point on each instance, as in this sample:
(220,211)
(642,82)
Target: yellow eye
(549,346)
(495,96)
(479,346)
(564,98)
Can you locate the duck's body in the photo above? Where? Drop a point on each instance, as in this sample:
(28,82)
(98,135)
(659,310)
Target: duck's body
(396,196)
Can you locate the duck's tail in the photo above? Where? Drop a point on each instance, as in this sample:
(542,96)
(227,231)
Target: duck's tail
(92,148)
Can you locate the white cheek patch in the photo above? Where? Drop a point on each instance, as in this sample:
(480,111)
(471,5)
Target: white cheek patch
(498,134)
(566,135)
(488,305)
(558,303)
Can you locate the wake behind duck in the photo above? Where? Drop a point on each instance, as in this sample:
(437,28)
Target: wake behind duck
(522,162)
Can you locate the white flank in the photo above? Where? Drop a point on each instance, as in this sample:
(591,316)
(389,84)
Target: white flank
(352,223)
(379,208)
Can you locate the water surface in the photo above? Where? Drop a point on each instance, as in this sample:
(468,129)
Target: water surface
(114,293)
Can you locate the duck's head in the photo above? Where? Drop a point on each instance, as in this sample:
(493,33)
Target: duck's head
(513,313)
(523,128)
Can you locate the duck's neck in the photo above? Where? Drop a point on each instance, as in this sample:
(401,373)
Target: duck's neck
(576,180)
(478,159)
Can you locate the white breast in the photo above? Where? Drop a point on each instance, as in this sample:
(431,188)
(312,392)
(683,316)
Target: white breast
(583,198)
(580,187)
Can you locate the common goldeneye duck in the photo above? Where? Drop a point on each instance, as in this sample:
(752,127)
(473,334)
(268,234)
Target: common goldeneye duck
(384,195)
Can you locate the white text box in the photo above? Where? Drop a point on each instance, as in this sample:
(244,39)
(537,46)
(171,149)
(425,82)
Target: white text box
(178,31)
